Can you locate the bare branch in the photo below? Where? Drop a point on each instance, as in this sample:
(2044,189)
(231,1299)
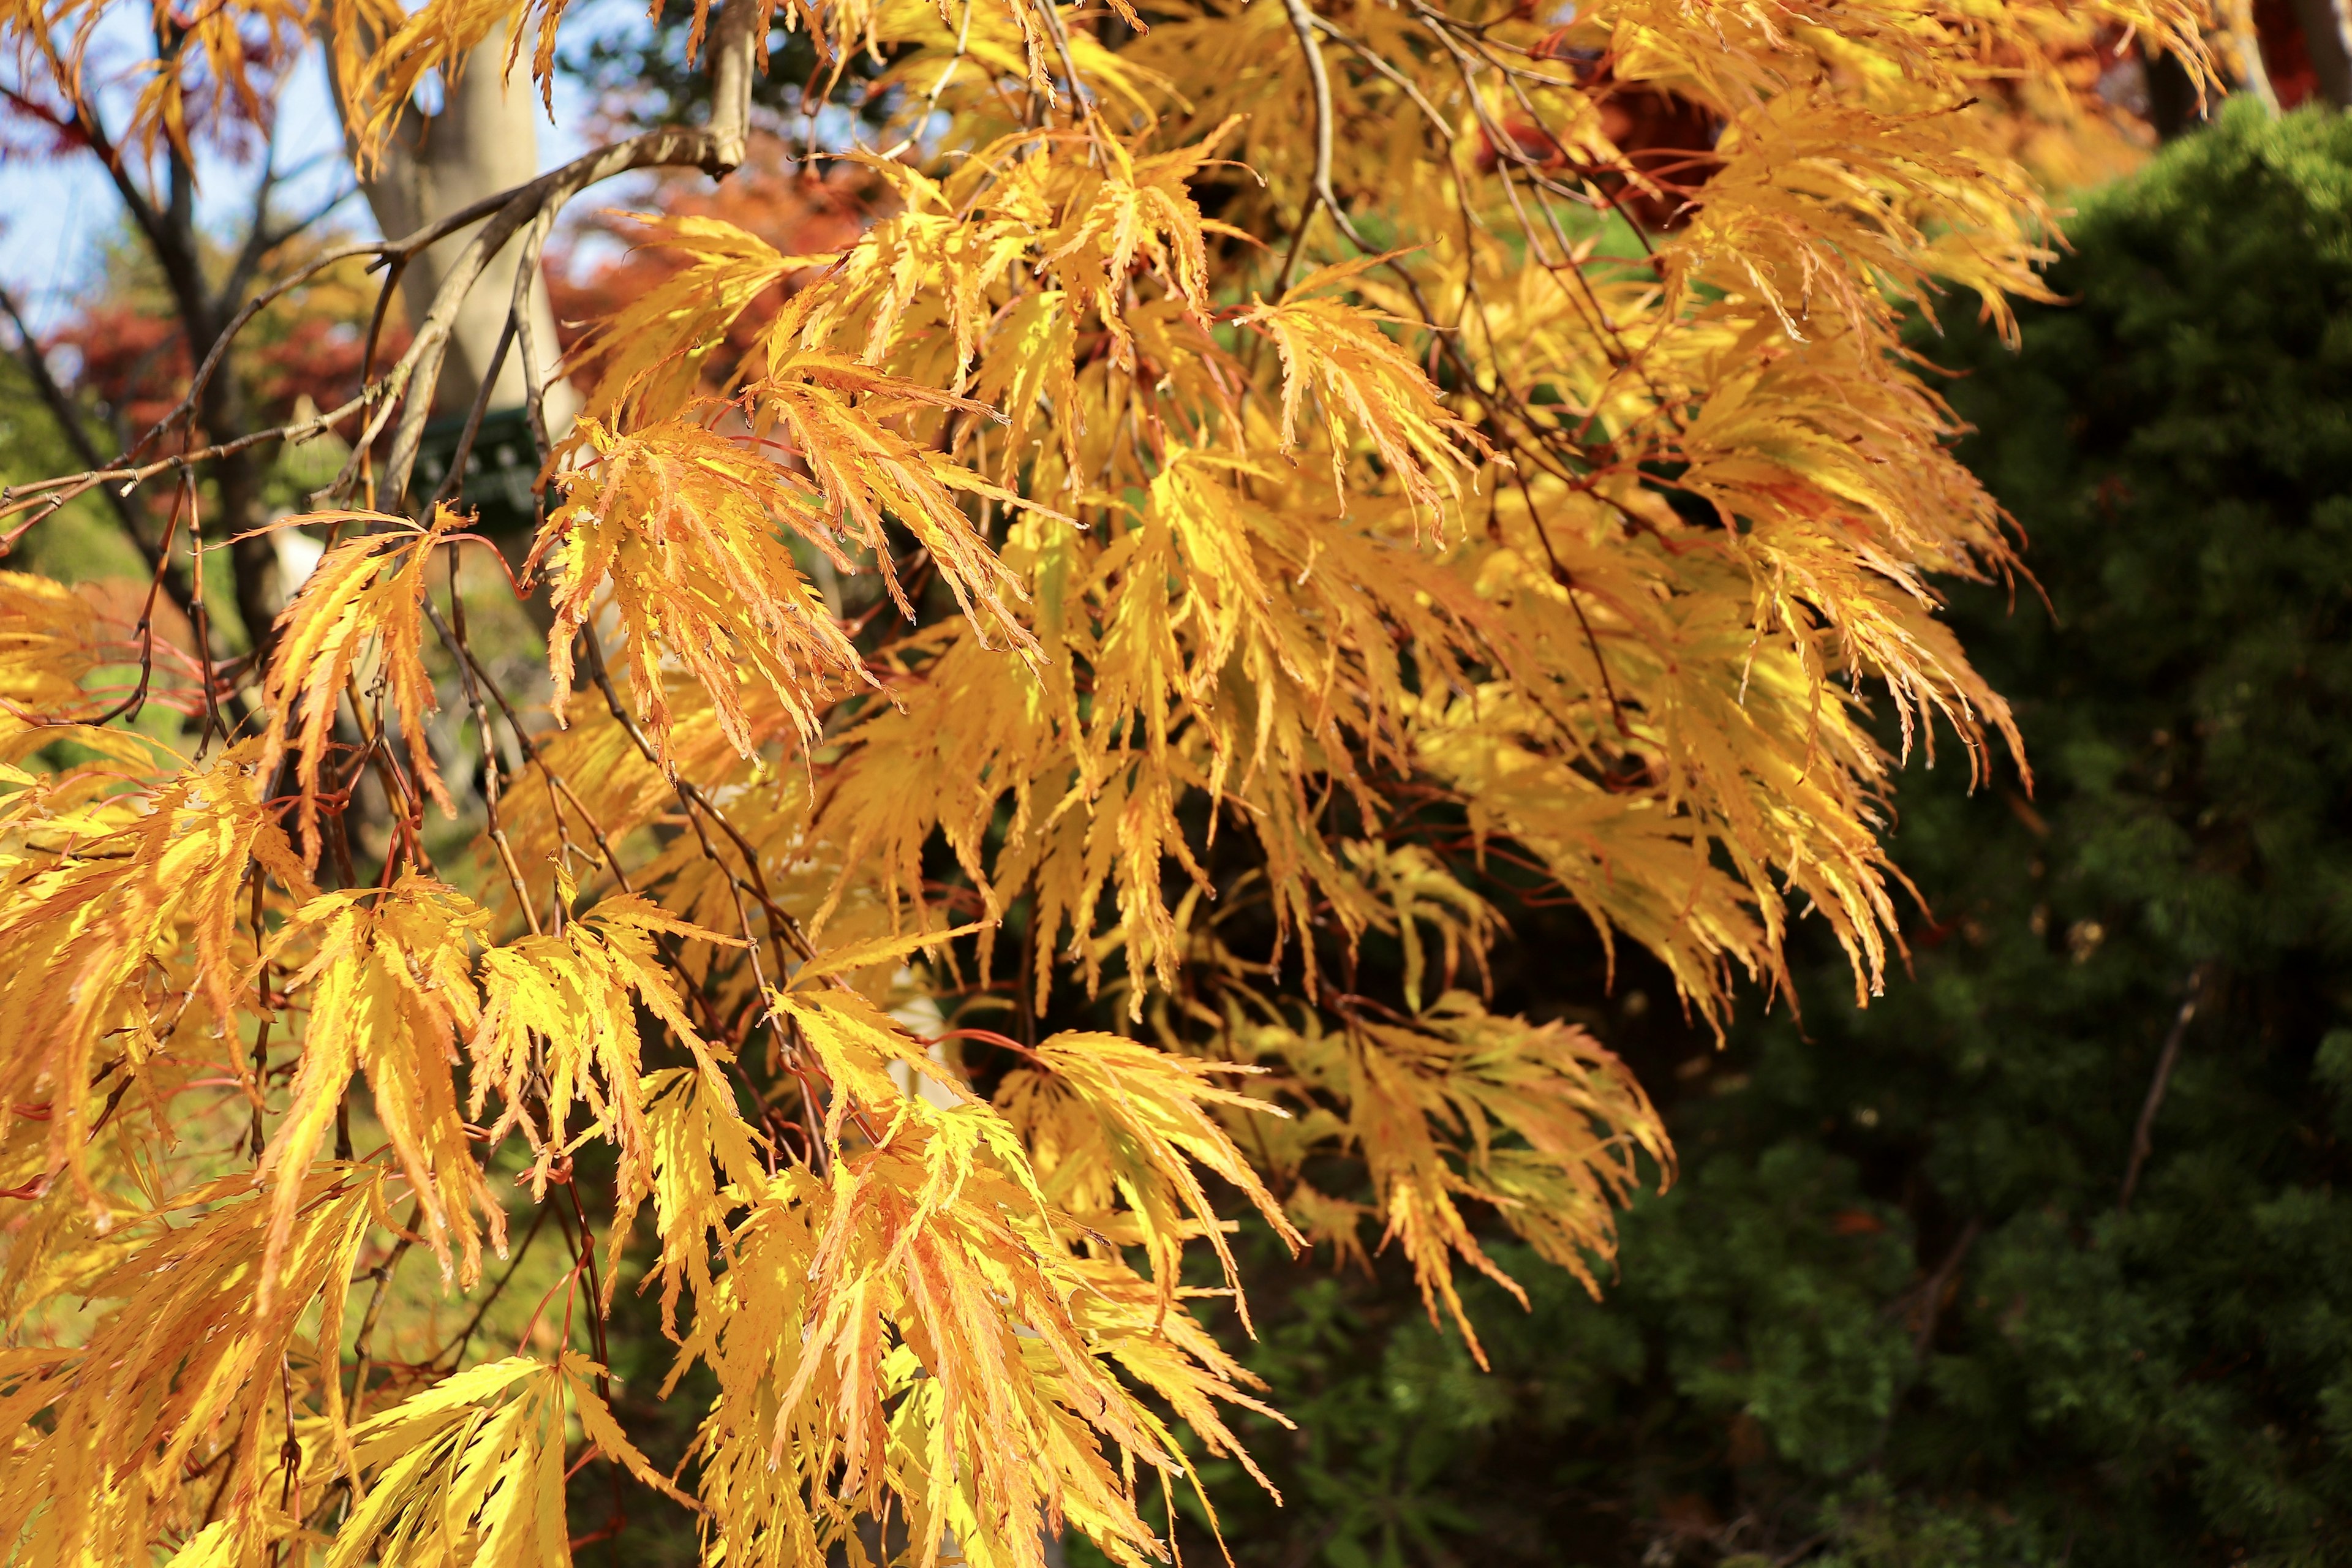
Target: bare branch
(258,242)
(519,313)
(1403,82)
(539,199)
(2144,1135)
(185,408)
(69,420)
(57,492)
(455,478)
(1302,25)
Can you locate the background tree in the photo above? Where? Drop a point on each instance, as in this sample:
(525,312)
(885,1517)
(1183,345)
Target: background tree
(189,290)
(1283,480)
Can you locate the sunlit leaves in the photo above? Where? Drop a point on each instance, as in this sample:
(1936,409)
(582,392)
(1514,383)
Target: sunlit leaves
(835,414)
(684,524)
(393,995)
(1360,375)
(915,1317)
(559,1026)
(1102,554)
(648,356)
(45,651)
(479,1457)
(1113,1122)
(1134,212)
(1537,1120)
(366,593)
(189,1367)
(676,521)
(89,905)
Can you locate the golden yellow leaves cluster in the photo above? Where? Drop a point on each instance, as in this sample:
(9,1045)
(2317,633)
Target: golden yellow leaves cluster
(1284,461)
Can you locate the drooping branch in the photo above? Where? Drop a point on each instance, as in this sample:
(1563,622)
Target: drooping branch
(1302,26)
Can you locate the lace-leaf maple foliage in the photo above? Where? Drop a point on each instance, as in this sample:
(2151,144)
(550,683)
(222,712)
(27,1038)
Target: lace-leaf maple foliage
(1360,459)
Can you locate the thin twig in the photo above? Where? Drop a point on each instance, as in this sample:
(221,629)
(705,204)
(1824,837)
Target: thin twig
(1302,26)
(453,482)
(455,635)
(69,420)
(2144,1135)
(362,1342)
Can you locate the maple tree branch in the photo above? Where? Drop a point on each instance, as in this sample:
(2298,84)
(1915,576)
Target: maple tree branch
(695,800)
(1566,582)
(144,217)
(671,953)
(1381,65)
(1305,23)
(668,146)
(455,635)
(56,492)
(453,481)
(947,74)
(781,926)
(248,708)
(455,1350)
(1302,26)
(1931,1291)
(170,232)
(134,704)
(409,383)
(363,1343)
(1507,152)
(1051,14)
(532,755)
(186,406)
(523,318)
(2143,1142)
(1632,175)
(412,375)
(1544,436)
(258,242)
(481,682)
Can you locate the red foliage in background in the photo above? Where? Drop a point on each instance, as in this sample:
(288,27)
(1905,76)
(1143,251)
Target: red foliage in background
(131,359)
(2286,55)
(129,356)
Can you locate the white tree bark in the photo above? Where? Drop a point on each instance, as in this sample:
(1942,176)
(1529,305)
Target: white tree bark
(484,141)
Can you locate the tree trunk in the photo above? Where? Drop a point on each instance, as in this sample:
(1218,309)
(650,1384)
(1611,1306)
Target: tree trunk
(2328,45)
(484,141)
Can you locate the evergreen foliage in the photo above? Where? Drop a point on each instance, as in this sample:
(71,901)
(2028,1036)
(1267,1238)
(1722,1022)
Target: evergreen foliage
(1896,1311)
